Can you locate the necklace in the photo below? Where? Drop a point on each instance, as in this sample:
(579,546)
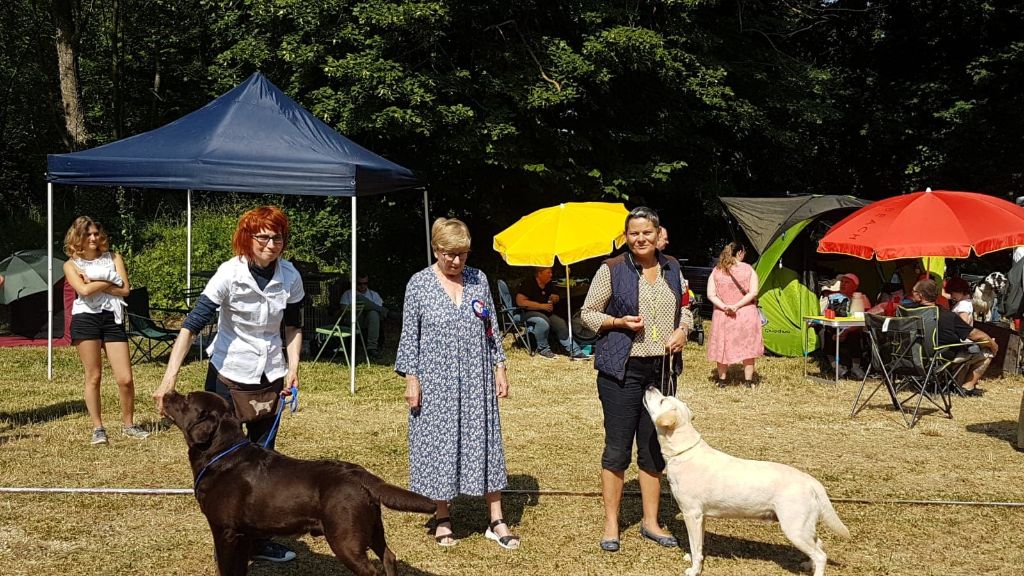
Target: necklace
(651,307)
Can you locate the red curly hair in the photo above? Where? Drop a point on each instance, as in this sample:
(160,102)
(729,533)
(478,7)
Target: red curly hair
(255,221)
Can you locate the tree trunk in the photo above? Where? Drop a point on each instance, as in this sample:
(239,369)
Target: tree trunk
(67,67)
(116,66)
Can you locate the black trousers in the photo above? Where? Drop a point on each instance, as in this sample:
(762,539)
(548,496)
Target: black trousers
(626,419)
(258,431)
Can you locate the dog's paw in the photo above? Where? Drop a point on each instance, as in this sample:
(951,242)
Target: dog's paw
(692,571)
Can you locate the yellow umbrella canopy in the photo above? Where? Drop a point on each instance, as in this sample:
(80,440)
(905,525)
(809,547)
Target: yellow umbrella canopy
(571,232)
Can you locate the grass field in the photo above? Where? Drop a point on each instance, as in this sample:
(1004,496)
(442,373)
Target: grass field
(553,435)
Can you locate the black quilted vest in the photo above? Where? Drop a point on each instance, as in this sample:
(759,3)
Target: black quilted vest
(612,349)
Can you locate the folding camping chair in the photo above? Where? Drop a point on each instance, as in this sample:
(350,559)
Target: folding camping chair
(510,318)
(897,354)
(945,361)
(343,332)
(149,338)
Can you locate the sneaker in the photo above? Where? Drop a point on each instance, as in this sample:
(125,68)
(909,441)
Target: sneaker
(135,431)
(856,372)
(99,436)
(581,355)
(546,353)
(273,552)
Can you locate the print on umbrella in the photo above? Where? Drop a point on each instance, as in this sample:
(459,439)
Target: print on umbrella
(481,312)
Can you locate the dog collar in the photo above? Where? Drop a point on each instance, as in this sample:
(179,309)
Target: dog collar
(199,476)
(688,448)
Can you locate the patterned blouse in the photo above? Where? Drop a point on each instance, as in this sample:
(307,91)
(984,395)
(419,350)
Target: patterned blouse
(657,307)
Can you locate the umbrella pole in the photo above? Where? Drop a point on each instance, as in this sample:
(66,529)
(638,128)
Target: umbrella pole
(568,310)
(188,252)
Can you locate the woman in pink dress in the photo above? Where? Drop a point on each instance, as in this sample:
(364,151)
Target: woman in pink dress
(735,324)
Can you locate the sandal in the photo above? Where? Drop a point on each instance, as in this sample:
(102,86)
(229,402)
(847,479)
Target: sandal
(448,539)
(509,542)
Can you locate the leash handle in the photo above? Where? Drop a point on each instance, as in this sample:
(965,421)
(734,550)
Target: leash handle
(292,401)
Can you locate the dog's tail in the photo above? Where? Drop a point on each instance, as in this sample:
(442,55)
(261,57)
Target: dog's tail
(396,498)
(828,513)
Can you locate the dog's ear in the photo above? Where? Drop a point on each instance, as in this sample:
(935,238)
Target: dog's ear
(202,428)
(667,419)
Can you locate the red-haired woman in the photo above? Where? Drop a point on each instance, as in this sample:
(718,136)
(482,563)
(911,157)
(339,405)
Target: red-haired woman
(97,320)
(251,295)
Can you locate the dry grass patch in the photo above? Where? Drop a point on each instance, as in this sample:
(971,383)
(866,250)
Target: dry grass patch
(552,426)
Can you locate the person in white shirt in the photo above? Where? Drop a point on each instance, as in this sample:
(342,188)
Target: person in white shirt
(960,299)
(373,312)
(97,321)
(251,296)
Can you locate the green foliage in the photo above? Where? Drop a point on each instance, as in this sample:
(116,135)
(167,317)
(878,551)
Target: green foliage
(160,263)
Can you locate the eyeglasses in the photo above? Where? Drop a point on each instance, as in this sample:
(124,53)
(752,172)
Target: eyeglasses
(451,256)
(265,239)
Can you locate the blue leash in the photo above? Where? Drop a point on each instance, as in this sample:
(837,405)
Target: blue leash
(293,401)
(199,477)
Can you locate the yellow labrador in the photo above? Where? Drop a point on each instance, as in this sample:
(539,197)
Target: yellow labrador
(706,482)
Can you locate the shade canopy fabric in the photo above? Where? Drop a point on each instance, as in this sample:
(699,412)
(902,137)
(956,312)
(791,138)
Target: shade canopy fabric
(930,223)
(765,219)
(570,232)
(252,139)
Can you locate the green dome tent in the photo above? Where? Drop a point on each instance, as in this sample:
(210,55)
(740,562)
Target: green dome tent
(786,292)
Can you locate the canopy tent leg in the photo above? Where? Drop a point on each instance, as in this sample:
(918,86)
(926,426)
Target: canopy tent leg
(49,281)
(188,249)
(352,307)
(426,223)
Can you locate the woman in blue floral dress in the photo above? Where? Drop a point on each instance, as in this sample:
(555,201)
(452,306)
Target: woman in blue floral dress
(451,357)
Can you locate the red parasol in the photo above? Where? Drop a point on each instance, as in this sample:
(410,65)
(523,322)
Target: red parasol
(939,223)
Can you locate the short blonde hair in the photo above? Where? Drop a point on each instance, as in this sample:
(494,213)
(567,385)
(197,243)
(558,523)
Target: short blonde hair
(450,235)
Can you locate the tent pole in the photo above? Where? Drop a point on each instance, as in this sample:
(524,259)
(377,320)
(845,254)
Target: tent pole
(352,307)
(426,222)
(49,281)
(568,310)
(188,249)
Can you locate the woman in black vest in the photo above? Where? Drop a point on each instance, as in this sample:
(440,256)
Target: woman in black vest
(634,303)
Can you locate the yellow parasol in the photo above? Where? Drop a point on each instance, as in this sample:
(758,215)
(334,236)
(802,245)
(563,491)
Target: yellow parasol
(571,232)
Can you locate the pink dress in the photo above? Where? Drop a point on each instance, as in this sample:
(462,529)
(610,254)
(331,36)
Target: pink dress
(737,338)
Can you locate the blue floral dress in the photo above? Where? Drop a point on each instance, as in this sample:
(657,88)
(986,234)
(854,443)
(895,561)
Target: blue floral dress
(455,444)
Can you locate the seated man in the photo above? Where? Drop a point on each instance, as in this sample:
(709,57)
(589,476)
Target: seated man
(537,300)
(852,340)
(373,312)
(953,330)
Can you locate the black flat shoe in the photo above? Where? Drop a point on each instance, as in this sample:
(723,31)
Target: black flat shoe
(611,545)
(970,392)
(666,541)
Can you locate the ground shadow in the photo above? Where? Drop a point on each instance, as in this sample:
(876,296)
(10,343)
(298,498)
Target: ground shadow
(470,516)
(1001,430)
(41,414)
(307,563)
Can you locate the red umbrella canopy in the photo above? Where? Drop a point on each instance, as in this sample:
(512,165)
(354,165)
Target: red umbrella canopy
(931,223)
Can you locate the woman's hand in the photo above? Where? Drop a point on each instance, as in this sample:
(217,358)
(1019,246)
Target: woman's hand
(677,341)
(634,323)
(291,380)
(413,393)
(165,388)
(501,382)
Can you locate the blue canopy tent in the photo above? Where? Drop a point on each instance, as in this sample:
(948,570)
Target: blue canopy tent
(252,139)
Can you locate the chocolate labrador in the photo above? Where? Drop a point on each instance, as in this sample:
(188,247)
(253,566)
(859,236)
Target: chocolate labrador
(248,492)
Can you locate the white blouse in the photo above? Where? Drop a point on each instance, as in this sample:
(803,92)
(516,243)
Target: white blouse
(101,268)
(248,341)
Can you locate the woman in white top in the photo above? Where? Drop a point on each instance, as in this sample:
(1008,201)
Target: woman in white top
(251,296)
(97,320)
(960,299)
